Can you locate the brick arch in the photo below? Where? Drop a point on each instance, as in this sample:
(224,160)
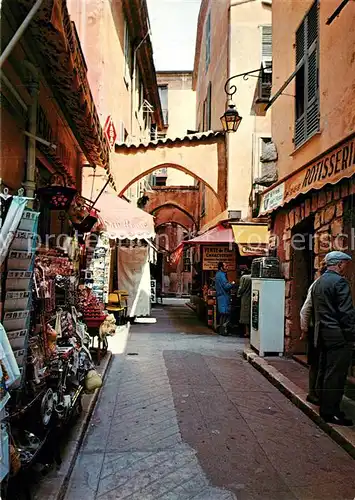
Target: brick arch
(184,197)
(174,214)
(171,204)
(164,224)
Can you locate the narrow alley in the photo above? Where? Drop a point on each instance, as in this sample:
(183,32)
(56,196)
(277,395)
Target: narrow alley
(182,415)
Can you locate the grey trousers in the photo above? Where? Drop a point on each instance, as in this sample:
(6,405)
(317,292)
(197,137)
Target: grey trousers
(334,365)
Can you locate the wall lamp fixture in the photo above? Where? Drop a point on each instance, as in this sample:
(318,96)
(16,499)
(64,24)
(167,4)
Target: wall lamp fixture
(231,119)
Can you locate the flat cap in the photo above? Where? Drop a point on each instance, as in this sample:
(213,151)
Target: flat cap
(333,258)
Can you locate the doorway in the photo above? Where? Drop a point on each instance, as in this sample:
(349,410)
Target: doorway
(302,275)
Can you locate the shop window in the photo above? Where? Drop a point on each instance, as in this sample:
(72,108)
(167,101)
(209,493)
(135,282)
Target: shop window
(208,42)
(307,85)
(163,94)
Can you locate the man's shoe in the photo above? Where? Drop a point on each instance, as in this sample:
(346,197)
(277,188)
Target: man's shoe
(337,420)
(313,400)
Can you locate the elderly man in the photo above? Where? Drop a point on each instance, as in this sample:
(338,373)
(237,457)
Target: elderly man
(334,333)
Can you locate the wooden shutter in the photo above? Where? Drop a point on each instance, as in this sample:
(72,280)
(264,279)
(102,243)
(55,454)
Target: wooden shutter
(266,46)
(307,62)
(312,104)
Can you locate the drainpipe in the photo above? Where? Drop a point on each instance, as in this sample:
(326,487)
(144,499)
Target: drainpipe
(33,87)
(133,79)
(5,54)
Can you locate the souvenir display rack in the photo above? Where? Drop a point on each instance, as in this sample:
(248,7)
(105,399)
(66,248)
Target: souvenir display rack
(98,267)
(44,346)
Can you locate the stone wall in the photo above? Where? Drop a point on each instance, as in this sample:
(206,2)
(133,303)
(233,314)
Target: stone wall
(327,207)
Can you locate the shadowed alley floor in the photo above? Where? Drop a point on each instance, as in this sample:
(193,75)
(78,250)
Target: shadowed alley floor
(183,416)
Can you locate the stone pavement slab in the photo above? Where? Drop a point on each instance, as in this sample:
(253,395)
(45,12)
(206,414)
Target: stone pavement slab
(188,418)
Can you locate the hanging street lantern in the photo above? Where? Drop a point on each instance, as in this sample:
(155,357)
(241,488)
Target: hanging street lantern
(56,195)
(231,119)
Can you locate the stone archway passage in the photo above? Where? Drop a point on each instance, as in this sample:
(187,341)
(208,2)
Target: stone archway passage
(173,214)
(203,156)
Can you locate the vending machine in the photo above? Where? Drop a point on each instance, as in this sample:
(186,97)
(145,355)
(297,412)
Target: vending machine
(267,307)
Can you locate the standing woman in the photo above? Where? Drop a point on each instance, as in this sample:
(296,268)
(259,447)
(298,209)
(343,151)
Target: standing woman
(244,292)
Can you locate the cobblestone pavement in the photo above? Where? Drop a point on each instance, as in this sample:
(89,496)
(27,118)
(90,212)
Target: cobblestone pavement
(183,416)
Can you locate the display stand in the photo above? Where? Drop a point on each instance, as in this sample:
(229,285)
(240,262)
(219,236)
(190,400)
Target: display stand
(98,263)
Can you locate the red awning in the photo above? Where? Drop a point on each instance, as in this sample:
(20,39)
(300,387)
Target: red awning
(218,234)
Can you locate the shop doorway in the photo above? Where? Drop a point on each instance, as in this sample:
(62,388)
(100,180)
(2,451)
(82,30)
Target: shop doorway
(302,269)
(349,230)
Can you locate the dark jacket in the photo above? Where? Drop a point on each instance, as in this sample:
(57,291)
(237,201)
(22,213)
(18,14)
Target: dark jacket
(223,288)
(334,314)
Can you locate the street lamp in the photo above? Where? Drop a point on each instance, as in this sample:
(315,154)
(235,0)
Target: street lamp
(231,119)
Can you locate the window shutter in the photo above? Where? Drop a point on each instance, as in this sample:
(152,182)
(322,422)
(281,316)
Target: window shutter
(300,43)
(266,46)
(312,25)
(307,61)
(312,107)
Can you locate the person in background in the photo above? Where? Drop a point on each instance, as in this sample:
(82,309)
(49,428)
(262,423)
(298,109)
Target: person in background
(307,329)
(244,292)
(334,332)
(223,288)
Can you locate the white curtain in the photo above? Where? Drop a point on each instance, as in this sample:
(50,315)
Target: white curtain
(10,225)
(134,276)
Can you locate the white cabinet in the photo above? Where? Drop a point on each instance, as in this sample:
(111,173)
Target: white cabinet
(267,316)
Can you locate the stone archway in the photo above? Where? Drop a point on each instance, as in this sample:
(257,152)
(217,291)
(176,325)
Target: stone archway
(175,215)
(185,198)
(202,156)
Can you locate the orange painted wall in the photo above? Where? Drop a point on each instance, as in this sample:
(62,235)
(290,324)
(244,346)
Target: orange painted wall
(218,69)
(336,79)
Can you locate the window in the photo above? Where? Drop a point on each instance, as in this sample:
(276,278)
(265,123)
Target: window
(163,94)
(208,42)
(266,47)
(127,54)
(207,109)
(307,90)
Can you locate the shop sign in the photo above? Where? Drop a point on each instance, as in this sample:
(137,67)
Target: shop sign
(211,255)
(272,199)
(330,168)
(110,132)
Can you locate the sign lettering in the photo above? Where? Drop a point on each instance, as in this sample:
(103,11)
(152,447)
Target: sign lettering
(211,255)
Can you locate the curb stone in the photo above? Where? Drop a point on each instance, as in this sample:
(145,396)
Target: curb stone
(344,436)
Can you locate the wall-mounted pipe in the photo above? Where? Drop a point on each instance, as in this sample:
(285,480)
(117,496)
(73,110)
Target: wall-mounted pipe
(33,87)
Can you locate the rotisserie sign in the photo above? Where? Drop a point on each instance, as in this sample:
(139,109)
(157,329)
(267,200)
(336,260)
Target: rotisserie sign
(211,255)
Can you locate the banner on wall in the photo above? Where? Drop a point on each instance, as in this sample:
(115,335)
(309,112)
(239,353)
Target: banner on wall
(213,254)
